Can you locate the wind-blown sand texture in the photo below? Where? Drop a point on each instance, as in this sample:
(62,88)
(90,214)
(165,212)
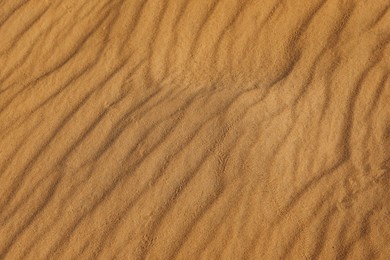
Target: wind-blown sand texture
(194,129)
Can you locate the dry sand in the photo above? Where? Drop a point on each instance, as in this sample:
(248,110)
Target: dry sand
(194,129)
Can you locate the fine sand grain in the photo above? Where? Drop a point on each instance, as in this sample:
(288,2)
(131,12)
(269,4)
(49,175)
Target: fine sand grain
(194,129)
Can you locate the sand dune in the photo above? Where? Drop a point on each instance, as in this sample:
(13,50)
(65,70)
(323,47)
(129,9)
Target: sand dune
(194,129)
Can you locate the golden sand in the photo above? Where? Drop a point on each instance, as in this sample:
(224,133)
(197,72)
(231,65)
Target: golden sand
(194,129)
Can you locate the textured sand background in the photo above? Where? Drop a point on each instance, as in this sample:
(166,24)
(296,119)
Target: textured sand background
(194,129)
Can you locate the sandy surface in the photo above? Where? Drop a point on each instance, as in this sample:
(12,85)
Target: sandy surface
(194,129)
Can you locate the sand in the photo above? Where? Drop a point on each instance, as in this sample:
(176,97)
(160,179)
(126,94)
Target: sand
(194,129)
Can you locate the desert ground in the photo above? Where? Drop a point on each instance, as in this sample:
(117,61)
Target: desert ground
(194,129)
